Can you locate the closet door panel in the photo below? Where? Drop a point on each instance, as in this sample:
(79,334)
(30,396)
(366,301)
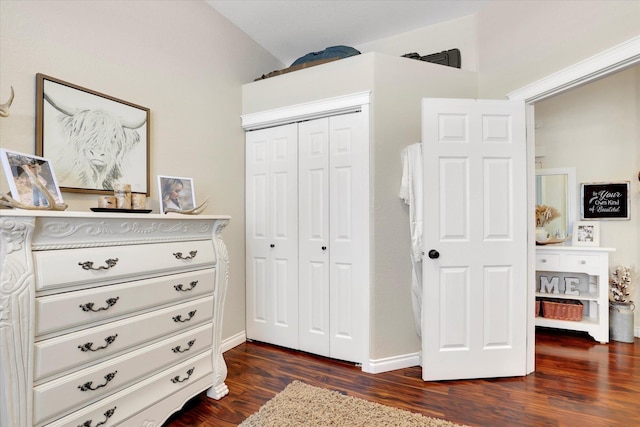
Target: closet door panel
(272,242)
(313,158)
(348,217)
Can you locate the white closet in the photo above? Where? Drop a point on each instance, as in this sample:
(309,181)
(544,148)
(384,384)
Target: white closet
(307,235)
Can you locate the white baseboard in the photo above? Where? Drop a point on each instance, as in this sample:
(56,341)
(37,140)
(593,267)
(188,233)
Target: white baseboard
(236,340)
(392,363)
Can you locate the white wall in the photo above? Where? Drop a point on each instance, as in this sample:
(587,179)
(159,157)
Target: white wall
(523,41)
(595,128)
(181,59)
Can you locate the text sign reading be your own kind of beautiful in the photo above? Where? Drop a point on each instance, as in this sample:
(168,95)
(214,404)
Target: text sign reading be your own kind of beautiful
(605,200)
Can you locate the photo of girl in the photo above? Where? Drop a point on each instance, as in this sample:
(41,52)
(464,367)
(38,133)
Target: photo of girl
(22,171)
(176,193)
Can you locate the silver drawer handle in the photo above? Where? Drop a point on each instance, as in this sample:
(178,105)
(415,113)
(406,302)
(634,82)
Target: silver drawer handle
(107,415)
(583,262)
(88,265)
(89,385)
(89,306)
(191,255)
(179,318)
(87,346)
(180,288)
(177,348)
(544,260)
(177,379)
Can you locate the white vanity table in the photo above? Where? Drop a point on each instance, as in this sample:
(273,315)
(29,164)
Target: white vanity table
(590,265)
(108,319)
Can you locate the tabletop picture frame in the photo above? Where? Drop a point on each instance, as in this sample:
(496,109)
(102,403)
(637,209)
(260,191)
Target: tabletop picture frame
(93,139)
(176,193)
(21,184)
(586,233)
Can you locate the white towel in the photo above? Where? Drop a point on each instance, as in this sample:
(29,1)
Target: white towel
(411,193)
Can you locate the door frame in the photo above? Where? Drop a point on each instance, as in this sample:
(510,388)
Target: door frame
(605,63)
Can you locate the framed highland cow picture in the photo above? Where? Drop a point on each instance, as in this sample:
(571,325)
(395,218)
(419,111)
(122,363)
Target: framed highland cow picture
(93,140)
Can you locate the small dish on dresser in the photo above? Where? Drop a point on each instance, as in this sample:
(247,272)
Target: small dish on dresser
(120,210)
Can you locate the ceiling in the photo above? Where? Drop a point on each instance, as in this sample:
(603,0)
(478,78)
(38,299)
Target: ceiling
(289,29)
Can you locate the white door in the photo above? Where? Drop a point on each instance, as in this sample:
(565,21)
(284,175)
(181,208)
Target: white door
(475,239)
(313,187)
(272,235)
(333,195)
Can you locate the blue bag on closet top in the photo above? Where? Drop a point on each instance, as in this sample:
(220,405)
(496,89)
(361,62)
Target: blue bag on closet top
(329,53)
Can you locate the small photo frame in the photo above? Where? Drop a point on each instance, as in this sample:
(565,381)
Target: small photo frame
(23,189)
(176,193)
(586,233)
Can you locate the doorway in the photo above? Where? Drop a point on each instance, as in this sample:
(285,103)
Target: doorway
(601,65)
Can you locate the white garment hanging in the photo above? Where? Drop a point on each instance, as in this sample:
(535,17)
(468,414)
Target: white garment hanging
(411,194)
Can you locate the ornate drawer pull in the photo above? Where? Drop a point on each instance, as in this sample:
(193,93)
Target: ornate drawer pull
(107,415)
(177,379)
(179,287)
(192,255)
(89,306)
(87,346)
(88,265)
(88,385)
(177,349)
(179,318)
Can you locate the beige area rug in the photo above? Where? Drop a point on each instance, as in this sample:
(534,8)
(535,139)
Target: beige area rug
(300,404)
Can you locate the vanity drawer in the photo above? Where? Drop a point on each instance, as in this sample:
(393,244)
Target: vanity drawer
(81,308)
(78,349)
(116,409)
(547,261)
(69,267)
(60,396)
(582,263)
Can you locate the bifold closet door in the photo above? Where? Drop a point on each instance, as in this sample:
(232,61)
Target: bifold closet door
(333,234)
(272,235)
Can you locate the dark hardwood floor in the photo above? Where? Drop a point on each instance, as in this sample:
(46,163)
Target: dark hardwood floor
(577,382)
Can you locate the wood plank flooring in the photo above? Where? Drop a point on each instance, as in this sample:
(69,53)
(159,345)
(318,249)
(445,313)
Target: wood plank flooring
(577,382)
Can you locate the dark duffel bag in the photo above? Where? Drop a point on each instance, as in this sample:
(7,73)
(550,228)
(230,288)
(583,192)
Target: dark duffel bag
(329,53)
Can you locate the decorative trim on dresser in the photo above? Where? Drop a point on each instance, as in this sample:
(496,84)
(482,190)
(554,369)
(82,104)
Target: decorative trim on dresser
(109,319)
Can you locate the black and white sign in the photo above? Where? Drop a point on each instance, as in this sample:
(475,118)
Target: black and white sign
(605,200)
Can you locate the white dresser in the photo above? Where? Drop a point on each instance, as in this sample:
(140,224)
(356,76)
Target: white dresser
(107,318)
(578,274)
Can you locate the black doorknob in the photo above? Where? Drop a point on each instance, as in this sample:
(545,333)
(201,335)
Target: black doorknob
(433,254)
(272,245)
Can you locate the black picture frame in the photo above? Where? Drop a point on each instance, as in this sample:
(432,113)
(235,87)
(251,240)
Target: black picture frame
(93,140)
(605,201)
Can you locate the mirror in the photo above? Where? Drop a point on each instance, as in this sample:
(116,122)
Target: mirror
(557,188)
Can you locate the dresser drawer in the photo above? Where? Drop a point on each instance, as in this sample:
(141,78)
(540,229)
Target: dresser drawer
(115,409)
(81,308)
(69,267)
(547,261)
(80,348)
(74,391)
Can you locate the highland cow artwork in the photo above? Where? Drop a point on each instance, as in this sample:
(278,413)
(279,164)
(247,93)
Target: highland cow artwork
(93,140)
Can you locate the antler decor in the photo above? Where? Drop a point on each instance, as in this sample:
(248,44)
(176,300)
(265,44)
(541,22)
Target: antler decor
(4,108)
(195,211)
(53,205)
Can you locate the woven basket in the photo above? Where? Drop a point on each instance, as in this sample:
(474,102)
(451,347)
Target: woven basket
(537,308)
(562,309)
